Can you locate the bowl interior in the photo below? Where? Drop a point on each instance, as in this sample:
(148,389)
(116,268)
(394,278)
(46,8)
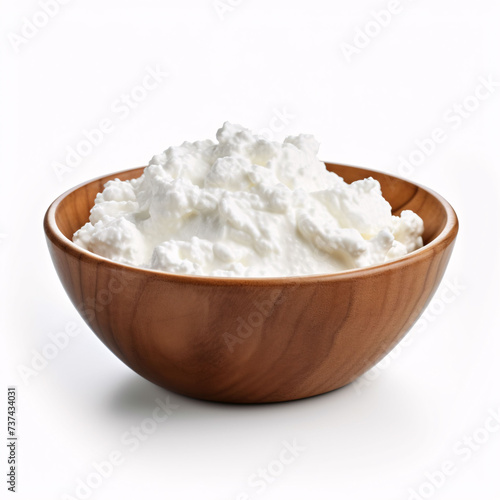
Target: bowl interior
(74,209)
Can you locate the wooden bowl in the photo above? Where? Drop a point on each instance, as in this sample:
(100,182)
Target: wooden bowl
(250,340)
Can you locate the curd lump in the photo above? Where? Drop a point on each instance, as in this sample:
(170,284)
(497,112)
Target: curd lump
(246,206)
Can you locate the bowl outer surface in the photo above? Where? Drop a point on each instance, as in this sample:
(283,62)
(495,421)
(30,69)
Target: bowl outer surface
(252,340)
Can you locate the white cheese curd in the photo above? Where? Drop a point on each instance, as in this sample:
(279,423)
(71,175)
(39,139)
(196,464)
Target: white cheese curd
(246,206)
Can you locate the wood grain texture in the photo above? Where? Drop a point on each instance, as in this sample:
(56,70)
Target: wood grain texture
(252,340)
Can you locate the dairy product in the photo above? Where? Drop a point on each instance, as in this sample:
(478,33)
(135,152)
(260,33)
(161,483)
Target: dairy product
(246,206)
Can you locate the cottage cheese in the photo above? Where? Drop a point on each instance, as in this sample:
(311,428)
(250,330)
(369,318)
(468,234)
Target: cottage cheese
(246,206)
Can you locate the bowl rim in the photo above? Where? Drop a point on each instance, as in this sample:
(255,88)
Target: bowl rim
(442,240)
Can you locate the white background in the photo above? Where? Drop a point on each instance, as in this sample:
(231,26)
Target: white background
(375,439)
